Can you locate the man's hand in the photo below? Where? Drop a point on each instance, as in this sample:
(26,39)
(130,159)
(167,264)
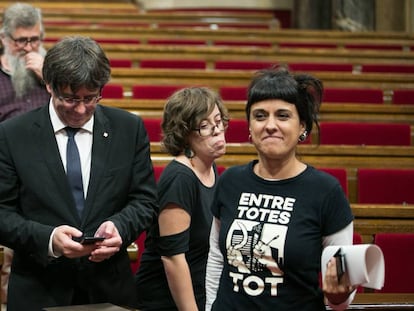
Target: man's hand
(34,62)
(63,244)
(110,245)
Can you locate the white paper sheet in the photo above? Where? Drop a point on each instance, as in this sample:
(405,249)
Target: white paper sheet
(364,264)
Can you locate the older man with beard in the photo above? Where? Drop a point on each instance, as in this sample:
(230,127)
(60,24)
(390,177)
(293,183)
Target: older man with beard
(21,87)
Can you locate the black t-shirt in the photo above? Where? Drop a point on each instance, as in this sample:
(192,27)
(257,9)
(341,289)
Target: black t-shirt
(271,238)
(178,184)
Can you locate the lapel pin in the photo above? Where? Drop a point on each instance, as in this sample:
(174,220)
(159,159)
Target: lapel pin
(105,134)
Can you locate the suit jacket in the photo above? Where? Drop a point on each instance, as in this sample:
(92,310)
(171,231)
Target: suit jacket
(35,197)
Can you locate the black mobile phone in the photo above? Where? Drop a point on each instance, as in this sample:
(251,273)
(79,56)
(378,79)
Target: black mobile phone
(88,239)
(340,263)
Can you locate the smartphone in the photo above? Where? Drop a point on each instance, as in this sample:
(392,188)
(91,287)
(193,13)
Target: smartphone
(340,263)
(88,239)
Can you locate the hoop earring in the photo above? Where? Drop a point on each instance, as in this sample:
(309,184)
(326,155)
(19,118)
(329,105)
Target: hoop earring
(303,136)
(189,153)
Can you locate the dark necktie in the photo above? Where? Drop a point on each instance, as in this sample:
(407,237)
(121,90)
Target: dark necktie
(73,169)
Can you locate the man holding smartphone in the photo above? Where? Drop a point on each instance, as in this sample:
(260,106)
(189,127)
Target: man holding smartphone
(68,169)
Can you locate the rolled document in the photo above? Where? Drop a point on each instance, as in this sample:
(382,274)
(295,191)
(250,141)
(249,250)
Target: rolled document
(364,264)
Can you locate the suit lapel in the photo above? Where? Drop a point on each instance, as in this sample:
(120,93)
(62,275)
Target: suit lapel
(102,137)
(44,134)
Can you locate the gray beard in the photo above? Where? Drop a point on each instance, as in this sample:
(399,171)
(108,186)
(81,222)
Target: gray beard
(23,80)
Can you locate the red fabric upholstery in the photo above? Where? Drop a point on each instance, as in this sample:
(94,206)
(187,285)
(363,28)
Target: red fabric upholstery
(176,41)
(233,93)
(357,238)
(320,67)
(385,186)
(220,169)
(353,95)
(158,171)
(140,241)
(173,63)
(403,97)
(388,68)
(261,44)
(340,174)
(353,133)
(120,63)
(370,46)
(113,91)
(242,65)
(154,91)
(153,127)
(238,131)
(117,41)
(398,250)
(307,45)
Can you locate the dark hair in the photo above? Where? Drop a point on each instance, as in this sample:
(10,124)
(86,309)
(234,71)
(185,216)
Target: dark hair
(76,62)
(302,90)
(184,111)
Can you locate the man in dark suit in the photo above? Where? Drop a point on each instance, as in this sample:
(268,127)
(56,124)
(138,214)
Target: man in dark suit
(39,214)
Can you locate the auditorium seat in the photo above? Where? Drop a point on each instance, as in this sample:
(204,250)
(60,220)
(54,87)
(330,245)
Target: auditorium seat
(247,43)
(320,67)
(357,238)
(154,91)
(153,127)
(307,45)
(242,65)
(233,92)
(376,47)
(173,63)
(157,171)
(237,131)
(113,90)
(385,186)
(387,68)
(120,63)
(364,133)
(403,97)
(353,95)
(340,174)
(117,41)
(398,250)
(167,41)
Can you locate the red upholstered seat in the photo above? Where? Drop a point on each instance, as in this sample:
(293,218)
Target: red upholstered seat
(153,127)
(238,131)
(173,63)
(154,91)
(385,186)
(158,171)
(353,95)
(117,40)
(176,41)
(307,45)
(233,93)
(112,90)
(388,68)
(403,97)
(242,65)
(120,63)
(320,67)
(340,174)
(370,46)
(364,133)
(398,250)
(261,44)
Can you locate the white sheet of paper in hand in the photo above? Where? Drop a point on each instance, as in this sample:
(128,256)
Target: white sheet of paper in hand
(364,264)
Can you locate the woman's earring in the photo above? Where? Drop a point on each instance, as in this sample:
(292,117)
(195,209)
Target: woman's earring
(303,136)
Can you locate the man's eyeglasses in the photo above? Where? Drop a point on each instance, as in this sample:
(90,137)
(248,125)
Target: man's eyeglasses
(208,129)
(23,41)
(87,100)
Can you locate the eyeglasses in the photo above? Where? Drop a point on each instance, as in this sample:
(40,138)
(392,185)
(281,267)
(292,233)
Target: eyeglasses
(87,100)
(208,130)
(23,41)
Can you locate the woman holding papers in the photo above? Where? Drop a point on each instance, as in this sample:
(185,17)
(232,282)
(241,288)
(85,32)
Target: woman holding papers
(274,215)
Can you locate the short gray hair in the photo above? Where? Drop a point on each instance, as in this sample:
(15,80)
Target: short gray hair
(21,15)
